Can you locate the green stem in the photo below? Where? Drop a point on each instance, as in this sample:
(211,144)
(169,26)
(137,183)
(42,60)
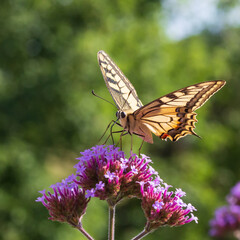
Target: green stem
(144,233)
(84,232)
(141,235)
(111,223)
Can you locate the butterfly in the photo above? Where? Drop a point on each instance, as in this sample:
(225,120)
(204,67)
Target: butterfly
(169,117)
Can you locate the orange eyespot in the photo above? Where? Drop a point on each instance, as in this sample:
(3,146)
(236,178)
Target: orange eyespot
(164,136)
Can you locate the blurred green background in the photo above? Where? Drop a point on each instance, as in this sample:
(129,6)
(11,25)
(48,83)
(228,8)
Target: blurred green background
(48,67)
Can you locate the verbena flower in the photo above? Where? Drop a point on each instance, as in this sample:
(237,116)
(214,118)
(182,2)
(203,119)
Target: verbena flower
(105,172)
(234,197)
(163,207)
(226,220)
(67,203)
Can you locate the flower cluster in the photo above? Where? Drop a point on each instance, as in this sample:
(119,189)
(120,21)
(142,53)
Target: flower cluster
(163,207)
(227,218)
(234,197)
(68,203)
(106,173)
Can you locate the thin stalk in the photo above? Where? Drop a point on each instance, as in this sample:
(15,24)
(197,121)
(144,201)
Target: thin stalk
(144,233)
(84,232)
(141,235)
(111,223)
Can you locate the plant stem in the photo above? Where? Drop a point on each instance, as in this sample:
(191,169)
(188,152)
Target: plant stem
(145,232)
(111,223)
(84,232)
(141,235)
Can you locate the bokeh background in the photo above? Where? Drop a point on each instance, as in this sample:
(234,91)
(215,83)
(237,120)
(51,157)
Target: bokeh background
(48,67)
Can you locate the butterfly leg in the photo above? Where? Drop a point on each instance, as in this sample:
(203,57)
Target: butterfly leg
(111,131)
(131,143)
(112,123)
(111,135)
(139,150)
(120,139)
(105,131)
(106,139)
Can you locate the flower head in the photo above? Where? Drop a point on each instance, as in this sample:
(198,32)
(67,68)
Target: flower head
(226,220)
(163,207)
(109,175)
(67,203)
(105,172)
(234,197)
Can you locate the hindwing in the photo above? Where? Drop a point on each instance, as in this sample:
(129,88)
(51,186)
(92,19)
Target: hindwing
(172,116)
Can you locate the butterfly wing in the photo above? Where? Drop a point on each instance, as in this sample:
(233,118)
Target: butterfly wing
(172,116)
(122,91)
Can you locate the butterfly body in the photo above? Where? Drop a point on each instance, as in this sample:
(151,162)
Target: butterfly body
(171,116)
(135,126)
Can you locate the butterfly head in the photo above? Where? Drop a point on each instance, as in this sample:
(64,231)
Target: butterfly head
(122,117)
(121,114)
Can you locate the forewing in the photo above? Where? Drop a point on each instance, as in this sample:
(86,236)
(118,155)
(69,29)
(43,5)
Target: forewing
(172,116)
(122,91)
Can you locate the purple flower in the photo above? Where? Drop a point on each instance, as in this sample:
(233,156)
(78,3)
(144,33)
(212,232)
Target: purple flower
(105,172)
(163,207)
(100,185)
(179,192)
(111,175)
(158,205)
(124,163)
(226,220)
(234,197)
(134,170)
(90,193)
(67,203)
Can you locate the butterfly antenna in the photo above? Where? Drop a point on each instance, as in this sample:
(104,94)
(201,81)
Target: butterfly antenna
(94,94)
